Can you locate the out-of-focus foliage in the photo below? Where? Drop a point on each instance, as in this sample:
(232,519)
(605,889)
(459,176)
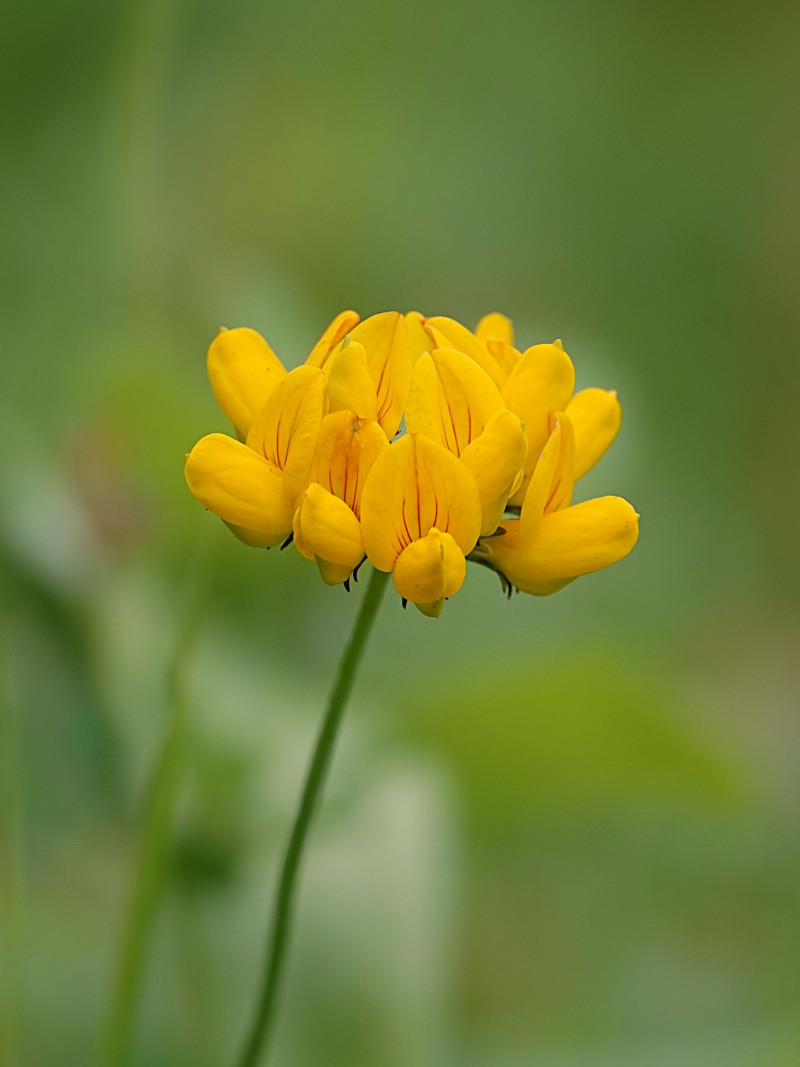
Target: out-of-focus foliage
(559,832)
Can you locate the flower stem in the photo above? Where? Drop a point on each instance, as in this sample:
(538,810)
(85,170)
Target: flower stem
(261,1025)
(157,819)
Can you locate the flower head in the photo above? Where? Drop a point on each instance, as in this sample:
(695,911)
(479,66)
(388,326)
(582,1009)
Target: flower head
(495,439)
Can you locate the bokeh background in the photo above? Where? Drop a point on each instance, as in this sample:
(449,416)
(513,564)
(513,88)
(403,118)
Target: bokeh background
(558,832)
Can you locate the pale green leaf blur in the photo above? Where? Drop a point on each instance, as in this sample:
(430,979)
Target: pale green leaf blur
(560,832)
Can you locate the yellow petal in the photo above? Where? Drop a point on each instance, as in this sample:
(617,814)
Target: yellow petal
(253,538)
(338,329)
(459,337)
(286,429)
(243,371)
(541,382)
(495,327)
(417,484)
(419,338)
(346,450)
(333,573)
(506,355)
(451,399)
(349,385)
(596,417)
(495,459)
(388,348)
(566,544)
(326,530)
(240,486)
(429,570)
(550,487)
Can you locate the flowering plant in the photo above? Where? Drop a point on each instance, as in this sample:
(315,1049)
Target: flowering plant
(418,445)
(494,442)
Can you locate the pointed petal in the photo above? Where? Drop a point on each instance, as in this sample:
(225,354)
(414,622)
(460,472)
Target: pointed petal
(577,540)
(334,573)
(253,538)
(338,329)
(240,486)
(325,529)
(430,569)
(419,338)
(388,347)
(414,485)
(550,487)
(596,416)
(506,355)
(541,382)
(432,611)
(495,459)
(495,327)
(451,399)
(346,450)
(286,429)
(349,385)
(243,371)
(459,337)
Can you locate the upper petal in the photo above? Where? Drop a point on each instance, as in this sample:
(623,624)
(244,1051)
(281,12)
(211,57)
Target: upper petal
(541,382)
(451,399)
(346,451)
(243,371)
(349,385)
(495,327)
(287,427)
(240,486)
(388,349)
(418,336)
(596,417)
(459,337)
(506,355)
(553,479)
(338,329)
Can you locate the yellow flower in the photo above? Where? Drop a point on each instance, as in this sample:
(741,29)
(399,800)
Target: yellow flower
(489,430)
(420,517)
(552,543)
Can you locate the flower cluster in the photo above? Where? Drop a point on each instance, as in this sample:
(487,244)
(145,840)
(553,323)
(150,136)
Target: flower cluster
(494,440)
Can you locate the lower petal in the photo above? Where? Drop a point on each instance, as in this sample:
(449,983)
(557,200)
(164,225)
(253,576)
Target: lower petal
(326,529)
(253,538)
(566,544)
(239,486)
(430,569)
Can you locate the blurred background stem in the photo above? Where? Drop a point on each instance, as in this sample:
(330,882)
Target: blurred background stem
(261,1026)
(157,814)
(11,856)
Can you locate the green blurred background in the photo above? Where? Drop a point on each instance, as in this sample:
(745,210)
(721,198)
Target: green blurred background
(559,832)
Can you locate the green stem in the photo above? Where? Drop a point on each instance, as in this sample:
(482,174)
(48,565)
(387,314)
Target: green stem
(157,820)
(261,1026)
